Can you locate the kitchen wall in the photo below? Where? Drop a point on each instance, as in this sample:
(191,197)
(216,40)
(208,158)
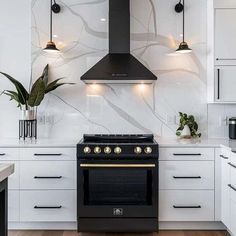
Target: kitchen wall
(81,35)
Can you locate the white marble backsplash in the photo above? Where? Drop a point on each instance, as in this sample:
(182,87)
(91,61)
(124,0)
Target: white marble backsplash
(156,30)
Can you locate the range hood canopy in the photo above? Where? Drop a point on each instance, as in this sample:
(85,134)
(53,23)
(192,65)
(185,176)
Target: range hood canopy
(119,66)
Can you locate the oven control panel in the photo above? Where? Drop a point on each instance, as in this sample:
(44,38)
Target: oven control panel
(104,150)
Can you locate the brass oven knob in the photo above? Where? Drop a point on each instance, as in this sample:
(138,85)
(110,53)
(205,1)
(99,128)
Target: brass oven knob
(117,150)
(97,150)
(138,150)
(148,150)
(87,150)
(107,150)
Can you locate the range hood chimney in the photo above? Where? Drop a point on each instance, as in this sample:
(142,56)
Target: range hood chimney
(119,66)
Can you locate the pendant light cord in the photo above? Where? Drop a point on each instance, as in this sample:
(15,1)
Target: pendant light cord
(51,21)
(183,22)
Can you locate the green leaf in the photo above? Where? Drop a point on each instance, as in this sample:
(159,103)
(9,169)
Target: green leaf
(44,76)
(13,96)
(37,93)
(54,85)
(23,95)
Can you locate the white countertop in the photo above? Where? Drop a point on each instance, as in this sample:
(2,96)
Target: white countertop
(6,170)
(175,142)
(163,142)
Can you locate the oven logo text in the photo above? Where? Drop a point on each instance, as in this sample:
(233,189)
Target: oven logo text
(117,211)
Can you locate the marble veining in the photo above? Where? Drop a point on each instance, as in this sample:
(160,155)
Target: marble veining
(83,40)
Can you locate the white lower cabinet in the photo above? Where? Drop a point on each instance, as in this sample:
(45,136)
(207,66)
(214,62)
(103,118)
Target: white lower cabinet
(180,205)
(48,175)
(233,217)
(48,206)
(186,174)
(14,205)
(228,198)
(43,186)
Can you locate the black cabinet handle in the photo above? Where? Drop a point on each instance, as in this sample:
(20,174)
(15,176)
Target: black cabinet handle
(224,157)
(187,154)
(232,165)
(225,59)
(232,187)
(47,177)
(2,154)
(49,154)
(218,83)
(187,177)
(187,207)
(47,207)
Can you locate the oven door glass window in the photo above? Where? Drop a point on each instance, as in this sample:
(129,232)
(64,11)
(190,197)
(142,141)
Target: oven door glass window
(117,187)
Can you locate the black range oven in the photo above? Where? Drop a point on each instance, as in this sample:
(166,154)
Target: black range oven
(117,183)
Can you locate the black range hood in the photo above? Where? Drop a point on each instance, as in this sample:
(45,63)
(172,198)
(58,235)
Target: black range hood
(119,66)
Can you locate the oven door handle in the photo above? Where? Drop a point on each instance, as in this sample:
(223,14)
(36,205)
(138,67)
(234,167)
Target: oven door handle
(117,165)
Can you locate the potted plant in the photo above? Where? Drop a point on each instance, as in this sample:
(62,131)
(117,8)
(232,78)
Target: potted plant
(188,127)
(28,101)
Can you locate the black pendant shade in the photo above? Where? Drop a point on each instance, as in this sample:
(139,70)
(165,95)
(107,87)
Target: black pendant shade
(51,46)
(183,47)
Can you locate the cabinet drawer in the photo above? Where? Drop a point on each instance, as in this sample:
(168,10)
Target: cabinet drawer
(186,154)
(13,205)
(188,205)
(48,206)
(7,154)
(186,174)
(48,154)
(48,175)
(14,179)
(232,217)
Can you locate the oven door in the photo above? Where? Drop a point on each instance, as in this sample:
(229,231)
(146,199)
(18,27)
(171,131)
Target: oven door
(117,189)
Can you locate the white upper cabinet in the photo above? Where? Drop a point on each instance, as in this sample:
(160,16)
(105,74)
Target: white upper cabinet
(225,36)
(225,83)
(221,62)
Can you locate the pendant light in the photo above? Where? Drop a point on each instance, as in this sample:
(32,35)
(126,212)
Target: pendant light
(183,47)
(51,46)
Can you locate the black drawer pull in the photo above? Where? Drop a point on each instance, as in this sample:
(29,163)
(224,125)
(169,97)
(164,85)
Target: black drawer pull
(224,157)
(187,154)
(232,187)
(48,154)
(47,177)
(2,154)
(232,165)
(187,207)
(47,207)
(218,83)
(187,177)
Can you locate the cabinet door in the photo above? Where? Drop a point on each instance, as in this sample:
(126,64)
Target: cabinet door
(225,36)
(225,191)
(225,83)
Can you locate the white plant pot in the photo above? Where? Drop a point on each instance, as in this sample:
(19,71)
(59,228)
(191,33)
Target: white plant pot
(186,133)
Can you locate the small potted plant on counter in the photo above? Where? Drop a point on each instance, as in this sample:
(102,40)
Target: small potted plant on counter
(188,127)
(28,101)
